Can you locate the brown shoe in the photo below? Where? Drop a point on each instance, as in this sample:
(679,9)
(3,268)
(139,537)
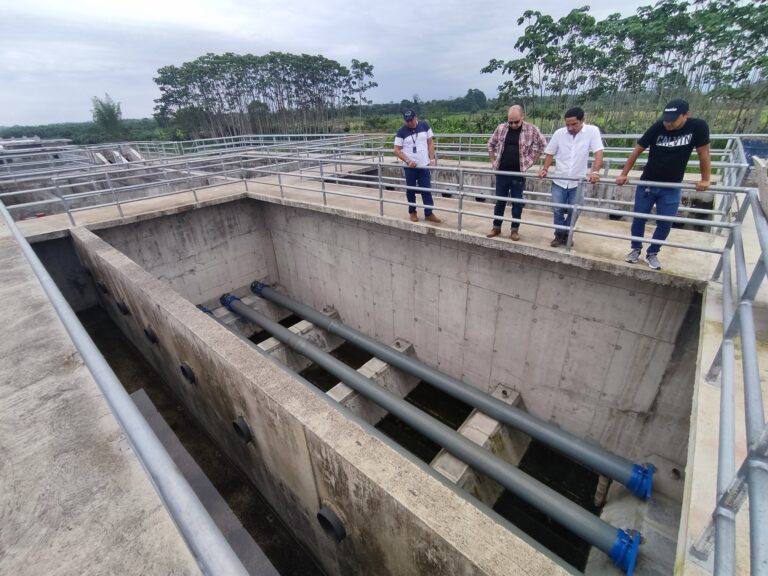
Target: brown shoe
(514,236)
(493,232)
(433,218)
(558,241)
(414,217)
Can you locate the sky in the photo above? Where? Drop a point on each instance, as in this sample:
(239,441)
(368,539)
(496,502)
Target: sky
(55,55)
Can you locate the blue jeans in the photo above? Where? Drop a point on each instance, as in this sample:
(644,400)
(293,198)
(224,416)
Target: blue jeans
(666,200)
(508,187)
(562,195)
(418,177)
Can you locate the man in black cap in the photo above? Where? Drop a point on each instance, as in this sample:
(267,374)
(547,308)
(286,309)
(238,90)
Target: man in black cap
(671,141)
(415,147)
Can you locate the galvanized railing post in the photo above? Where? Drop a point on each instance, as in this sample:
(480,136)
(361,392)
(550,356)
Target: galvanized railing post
(725,520)
(460,215)
(322,185)
(64,201)
(242,175)
(575,211)
(757,467)
(114,194)
(381,190)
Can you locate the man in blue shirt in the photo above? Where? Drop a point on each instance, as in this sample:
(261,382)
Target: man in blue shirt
(415,147)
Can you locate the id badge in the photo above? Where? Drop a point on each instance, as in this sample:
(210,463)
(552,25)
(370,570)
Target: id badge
(414,149)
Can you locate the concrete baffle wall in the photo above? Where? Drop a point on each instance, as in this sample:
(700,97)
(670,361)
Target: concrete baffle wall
(306,453)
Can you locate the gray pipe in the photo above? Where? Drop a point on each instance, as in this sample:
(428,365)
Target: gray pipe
(620,545)
(636,477)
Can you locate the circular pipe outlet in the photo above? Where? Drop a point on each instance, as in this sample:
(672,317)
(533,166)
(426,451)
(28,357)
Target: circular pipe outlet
(242,429)
(188,373)
(331,524)
(123,309)
(102,287)
(150,334)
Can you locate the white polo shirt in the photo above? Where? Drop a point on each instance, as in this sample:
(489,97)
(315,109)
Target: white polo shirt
(572,153)
(415,142)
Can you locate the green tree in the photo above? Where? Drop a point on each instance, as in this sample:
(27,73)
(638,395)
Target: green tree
(711,52)
(360,83)
(107,116)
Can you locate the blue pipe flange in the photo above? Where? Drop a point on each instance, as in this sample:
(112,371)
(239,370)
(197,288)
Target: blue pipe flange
(258,287)
(227,299)
(624,551)
(204,309)
(641,481)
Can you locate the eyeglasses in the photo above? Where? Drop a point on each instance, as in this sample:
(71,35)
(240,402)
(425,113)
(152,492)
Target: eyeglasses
(515,122)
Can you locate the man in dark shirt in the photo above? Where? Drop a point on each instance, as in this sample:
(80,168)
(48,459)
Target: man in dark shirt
(671,141)
(515,146)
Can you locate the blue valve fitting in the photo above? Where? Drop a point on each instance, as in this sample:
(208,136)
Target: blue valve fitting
(258,287)
(641,481)
(624,550)
(227,299)
(204,309)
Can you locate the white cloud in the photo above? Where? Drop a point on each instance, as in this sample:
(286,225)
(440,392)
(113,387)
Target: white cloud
(56,55)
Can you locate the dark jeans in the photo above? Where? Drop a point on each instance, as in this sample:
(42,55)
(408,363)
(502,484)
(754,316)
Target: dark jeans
(418,177)
(508,187)
(667,201)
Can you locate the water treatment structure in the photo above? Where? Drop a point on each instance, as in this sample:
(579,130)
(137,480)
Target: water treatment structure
(238,356)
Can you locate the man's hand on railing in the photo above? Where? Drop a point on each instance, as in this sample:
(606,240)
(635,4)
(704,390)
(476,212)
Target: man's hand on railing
(593,178)
(542,172)
(702,186)
(621,179)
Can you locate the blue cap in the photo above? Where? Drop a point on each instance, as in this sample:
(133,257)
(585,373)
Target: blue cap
(409,115)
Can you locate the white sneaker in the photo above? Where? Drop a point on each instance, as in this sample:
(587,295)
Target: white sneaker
(633,256)
(653,261)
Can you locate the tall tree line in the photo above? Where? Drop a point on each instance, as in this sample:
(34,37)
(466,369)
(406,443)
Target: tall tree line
(230,94)
(712,52)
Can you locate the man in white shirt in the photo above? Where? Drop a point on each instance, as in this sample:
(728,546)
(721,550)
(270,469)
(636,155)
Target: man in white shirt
(414,145)
(571,146)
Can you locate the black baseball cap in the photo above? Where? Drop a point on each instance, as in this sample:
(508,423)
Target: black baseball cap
(409,115)
(673,110)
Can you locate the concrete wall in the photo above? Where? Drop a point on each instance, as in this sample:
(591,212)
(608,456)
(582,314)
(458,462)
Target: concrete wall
(59,258)
(306,454)
(587,350)
(201,254)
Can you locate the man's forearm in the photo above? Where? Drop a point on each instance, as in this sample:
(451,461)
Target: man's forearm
(598,163)
(705,163)
(631,160)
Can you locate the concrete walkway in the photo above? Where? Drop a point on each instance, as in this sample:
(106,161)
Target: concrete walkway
(74,499)
(686,265)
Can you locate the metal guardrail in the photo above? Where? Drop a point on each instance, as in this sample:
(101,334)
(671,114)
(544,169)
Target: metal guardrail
(751,478)
(206,542)
(310,157)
